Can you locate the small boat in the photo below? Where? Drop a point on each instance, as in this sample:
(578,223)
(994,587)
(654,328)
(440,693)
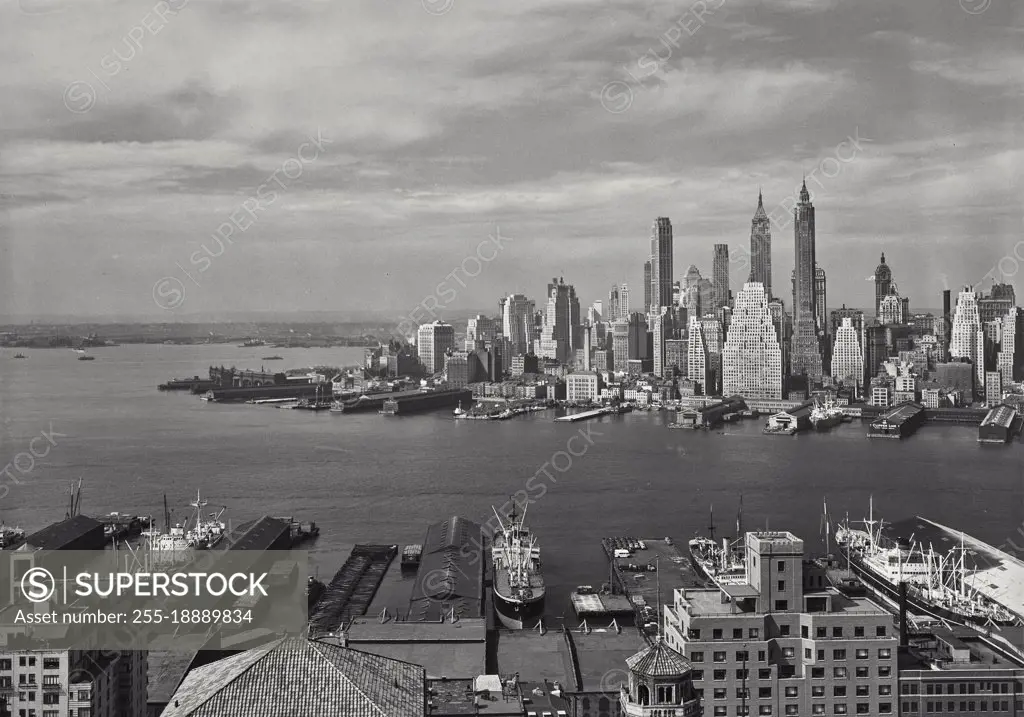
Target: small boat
(20,356)
(86,357)
(272,358)
(458,412)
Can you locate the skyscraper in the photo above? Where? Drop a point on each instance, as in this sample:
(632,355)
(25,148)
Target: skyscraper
(647,285)
(664,326)
(661,264)
(752,357)
(761,248)
(517,322)
(1011,346)
(433,341)
(890,310)
(806,357)
(612,313)
(967,340)
(697,357)
(820,311)
(480,329)
(883,283)
(560,335)
(848,355)
(720,275)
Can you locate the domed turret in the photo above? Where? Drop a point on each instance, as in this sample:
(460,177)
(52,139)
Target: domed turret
(882,271)
(659,678)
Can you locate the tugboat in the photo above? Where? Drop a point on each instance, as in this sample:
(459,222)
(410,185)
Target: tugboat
(825,416)
(458,412)
(11,537)
(518,582)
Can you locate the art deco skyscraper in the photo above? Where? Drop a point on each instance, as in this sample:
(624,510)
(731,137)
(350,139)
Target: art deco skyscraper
(697,357)
(720,275)
(848,354)
(661,264)
(647,285)
(806,357)
(761,248)
(517,322)
(752,357)
(561,334)
(967,340)
(883,284)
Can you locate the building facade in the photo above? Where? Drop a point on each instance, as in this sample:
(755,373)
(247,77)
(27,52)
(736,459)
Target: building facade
(967,341)
(582,387)
(751,357)
(517,322)
(848,355)
(480,332)
(806,355)
(661,264)
(761,248)
(433,341)
(720,275)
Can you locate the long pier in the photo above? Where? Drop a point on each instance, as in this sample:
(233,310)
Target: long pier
(584,415)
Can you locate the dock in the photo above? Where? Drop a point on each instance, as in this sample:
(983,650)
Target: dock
(601,605)
(898,422)
(352,589)
(585,415)
(641,587)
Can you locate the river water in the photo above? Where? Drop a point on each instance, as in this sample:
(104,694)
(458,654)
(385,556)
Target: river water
(366,478)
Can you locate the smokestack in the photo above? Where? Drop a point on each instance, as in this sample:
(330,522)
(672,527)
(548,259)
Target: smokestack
(903,614)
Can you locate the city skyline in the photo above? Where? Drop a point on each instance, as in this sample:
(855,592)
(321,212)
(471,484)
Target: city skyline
(106,195)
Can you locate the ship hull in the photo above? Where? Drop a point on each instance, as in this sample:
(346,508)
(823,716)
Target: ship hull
(518,614)
(876,584)
(826,424)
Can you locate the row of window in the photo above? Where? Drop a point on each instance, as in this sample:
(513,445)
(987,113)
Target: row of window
(49,663)
(817,673)
(32,713)
(969,706)
(965,688)
(754,633)
(721,693)
(884,653)
(861,708)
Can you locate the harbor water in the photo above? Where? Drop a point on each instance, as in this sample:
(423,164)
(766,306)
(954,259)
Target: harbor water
(366,478)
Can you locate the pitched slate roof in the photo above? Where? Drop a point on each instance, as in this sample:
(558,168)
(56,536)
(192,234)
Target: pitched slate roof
(659,660)
(300,678)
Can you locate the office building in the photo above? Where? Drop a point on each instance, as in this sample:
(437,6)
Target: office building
(993,388)
(664,326)
(751,357)
(761,248)
(947,325)
(1011,347)
(583,387)
(883,284)
(783,323)
(848,356)
(433,341)
(561,333)
(647,286)
(806,356)
(714,341)
(676,357)
(967,341)
(517,322)
(630,342)
(720,275)
(618,303)
(480,332)
(697,358)
(785,642)
(456,369)
(890,311)
(661,264)
(994,306)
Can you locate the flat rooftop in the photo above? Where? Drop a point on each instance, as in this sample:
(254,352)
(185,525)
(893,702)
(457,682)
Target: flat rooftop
(708,602)
(459,696)
(535,657)
(924,653)
(373,630)
(602,654)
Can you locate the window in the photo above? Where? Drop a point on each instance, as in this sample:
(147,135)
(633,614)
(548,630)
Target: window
(760,655)
(821,632)
(884,671)
(807,653)
(818,673)
(765,673)
(51,663)
(742,693)
(803,631)
(696,657)
(788,652)
(837,631)
(792,709)
(51,699)
(839,691)
(784,630)
(754,633)
(764,710)
(782,586)
(839,709)
(838,654)
(792,691)
(720,693)
(885,690)
(880,631)
(884,653)
(737,633)
(817,690)
(716,634)
(821,655)
(742,710)
(862,672)
(719,657)
(862,691)
(863,708)
(721,712)
(782,566)
(885,708)
(742,656)
(694,633)
(782,605)
(742,674)
(698,675)
(858,631)
(719,675)
(665,694)
(839,672)
(763,692)
(817,709)
(862,654)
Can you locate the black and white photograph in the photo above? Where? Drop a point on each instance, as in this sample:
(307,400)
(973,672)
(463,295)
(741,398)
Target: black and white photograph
(548,358)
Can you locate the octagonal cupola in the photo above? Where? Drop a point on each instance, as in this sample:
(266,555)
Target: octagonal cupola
(660,684)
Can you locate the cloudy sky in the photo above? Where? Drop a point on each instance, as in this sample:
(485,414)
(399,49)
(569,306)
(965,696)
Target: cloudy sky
(391,138)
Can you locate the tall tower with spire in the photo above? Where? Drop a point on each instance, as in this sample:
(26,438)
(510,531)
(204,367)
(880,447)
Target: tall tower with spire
(883,284)
(761,248)
(807,354)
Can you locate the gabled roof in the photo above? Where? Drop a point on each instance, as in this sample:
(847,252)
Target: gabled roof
(659,660)
(300,678)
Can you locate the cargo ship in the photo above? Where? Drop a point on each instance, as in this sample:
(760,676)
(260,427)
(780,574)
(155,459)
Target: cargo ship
(725,563)
(825,416)
(518,582)
(941,583)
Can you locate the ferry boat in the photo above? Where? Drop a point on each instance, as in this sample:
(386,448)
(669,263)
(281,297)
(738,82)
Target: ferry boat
(518,582)
(939,584)
(826,415)
(725,563)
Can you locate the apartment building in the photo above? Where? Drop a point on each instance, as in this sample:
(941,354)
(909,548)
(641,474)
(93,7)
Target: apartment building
(782,641)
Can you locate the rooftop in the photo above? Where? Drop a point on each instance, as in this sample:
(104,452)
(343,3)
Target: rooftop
(955,648)
(902,412)
(659,660)
(709,602)
(59,535)
(480,695)
(299,677)
(1001,415)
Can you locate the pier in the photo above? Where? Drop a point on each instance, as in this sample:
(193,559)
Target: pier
(585,415)
(604,606)
(352,589)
